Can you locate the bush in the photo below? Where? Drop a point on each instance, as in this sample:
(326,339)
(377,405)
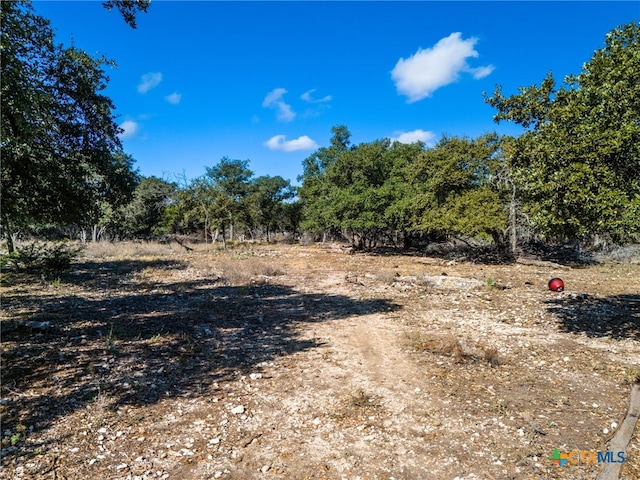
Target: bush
(40,257)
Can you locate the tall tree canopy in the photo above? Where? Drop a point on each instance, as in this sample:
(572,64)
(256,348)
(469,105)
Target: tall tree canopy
(578,162)
(453,190)
(385,189)
(61,153)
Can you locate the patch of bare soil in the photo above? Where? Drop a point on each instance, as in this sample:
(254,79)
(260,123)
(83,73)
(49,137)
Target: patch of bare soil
(310,363)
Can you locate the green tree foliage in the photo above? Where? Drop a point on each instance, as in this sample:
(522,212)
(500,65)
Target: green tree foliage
(315,193)
(453,190)
(61,156)
(143,216)
(578,162)
(128,8)
(229,198)
(265,203)
(228,183)
(384,189)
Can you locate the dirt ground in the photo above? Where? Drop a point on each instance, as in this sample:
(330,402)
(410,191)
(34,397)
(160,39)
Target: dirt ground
(308,362)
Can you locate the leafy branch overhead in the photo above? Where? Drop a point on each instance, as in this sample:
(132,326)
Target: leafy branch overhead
(578,164)
(62,157)
(128,9)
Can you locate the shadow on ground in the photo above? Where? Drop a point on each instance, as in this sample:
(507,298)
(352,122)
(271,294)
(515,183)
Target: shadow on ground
(615,316)
(136,343)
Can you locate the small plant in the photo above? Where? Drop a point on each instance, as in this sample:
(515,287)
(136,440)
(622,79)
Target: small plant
(156,338)
(110,343)
(632,375)
(440,345)
(499,408)
(360,399)
(40,257)
(56,283)
(491,283)
(490,355)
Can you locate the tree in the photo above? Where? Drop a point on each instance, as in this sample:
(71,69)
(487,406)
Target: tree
(61,153)
(357,190)
(578,162)
(401,188)
(358,198)
(265,201)
(229,185)
(315,195)
(143,216)
(453,191)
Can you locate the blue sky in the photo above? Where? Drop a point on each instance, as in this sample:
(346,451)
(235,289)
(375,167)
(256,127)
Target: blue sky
(266,81)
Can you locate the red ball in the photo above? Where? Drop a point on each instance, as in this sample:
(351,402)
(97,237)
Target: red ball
(556,284)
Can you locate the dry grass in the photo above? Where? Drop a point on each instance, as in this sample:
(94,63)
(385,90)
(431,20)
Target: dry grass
(248,269)
(449,346)
(442,345)
(121,250)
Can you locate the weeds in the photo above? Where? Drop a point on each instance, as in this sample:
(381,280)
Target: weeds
(443,345)
(361,399)
(490,355)
(632,374)
(449,346)
(499,408)
(243,270)
(40,257)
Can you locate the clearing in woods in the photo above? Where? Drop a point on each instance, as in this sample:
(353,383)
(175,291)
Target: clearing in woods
(147,361)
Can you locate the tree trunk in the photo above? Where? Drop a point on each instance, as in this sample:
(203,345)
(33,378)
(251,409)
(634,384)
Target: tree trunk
(406,240)
(513,221)
(9,234)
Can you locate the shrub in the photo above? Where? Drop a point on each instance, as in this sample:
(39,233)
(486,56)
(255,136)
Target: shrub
(40,257)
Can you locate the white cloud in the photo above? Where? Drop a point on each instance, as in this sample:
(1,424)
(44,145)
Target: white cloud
(274,100)
(306,96)
(129,129)
(481,72)
(174,98)
(414,136)
(278,142)
(149,81)
(428,69)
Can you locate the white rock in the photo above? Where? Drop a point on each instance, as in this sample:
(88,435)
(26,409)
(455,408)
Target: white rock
(255,376)
(237,410)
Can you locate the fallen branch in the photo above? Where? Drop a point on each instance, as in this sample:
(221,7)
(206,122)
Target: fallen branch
(179,242)
(611,470)
(540,263)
